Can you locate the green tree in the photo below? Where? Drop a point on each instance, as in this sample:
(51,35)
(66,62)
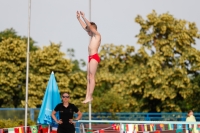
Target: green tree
(11,33)
(13,69)
(110,101)
(192,102)
(167,70)
(47,60)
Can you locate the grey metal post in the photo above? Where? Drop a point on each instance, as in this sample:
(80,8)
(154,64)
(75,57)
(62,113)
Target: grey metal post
(121,131)
(27,63)
(90,103)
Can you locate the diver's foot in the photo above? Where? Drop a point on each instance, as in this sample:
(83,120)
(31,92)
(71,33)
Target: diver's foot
(87,100)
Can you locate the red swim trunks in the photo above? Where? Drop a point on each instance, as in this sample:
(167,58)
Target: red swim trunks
(94,56)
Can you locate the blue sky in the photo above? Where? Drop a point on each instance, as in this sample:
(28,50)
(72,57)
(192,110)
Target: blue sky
(55,20)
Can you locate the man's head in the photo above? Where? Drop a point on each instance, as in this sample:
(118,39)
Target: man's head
(93,25)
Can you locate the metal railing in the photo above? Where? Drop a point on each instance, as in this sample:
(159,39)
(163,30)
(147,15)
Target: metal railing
(19,113)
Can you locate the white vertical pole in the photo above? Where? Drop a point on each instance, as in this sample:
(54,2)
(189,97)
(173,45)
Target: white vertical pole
(90,103)
(90,115)
(48,128)
(27,63)
(89,10)
(121,131)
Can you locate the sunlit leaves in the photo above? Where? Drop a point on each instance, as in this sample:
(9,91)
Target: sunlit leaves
(12,67)
(45,61)
(174,59)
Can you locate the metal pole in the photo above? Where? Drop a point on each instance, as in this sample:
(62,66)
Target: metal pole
(89,10)
(121,131)
(27,63)
(90,115)
(90,103)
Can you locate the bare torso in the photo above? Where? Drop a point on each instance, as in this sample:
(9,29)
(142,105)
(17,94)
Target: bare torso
(95,42)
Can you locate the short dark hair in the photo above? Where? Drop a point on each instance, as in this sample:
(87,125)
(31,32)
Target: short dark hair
(93,24)
(64,93)
(189,112)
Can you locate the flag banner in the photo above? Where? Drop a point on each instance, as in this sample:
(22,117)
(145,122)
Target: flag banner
(154,127)
(198,127)
(179,126)
(54,130)
(127,129)
(114,126)
(151,127)
(145,127)
(118,127)
(186,127)
(11,130)
(34,129)
(124,127)
(172,126)
(136,127)
(21,129)
(161,127)
(169,127)
(40,129)
(45,130)
(28,129)
(130,127)
(133,127)
(16,130)
(142,127)
(190,127)
(5,130)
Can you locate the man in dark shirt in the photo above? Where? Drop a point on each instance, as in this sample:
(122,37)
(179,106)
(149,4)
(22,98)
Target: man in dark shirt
(66,111)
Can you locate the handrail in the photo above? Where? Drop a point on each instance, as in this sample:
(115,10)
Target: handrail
(171,116)
(137,122)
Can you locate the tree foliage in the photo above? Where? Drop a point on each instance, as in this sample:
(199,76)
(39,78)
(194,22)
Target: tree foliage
(192,101)
(172,62)
(11,33)
(42,63)
(12,69)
